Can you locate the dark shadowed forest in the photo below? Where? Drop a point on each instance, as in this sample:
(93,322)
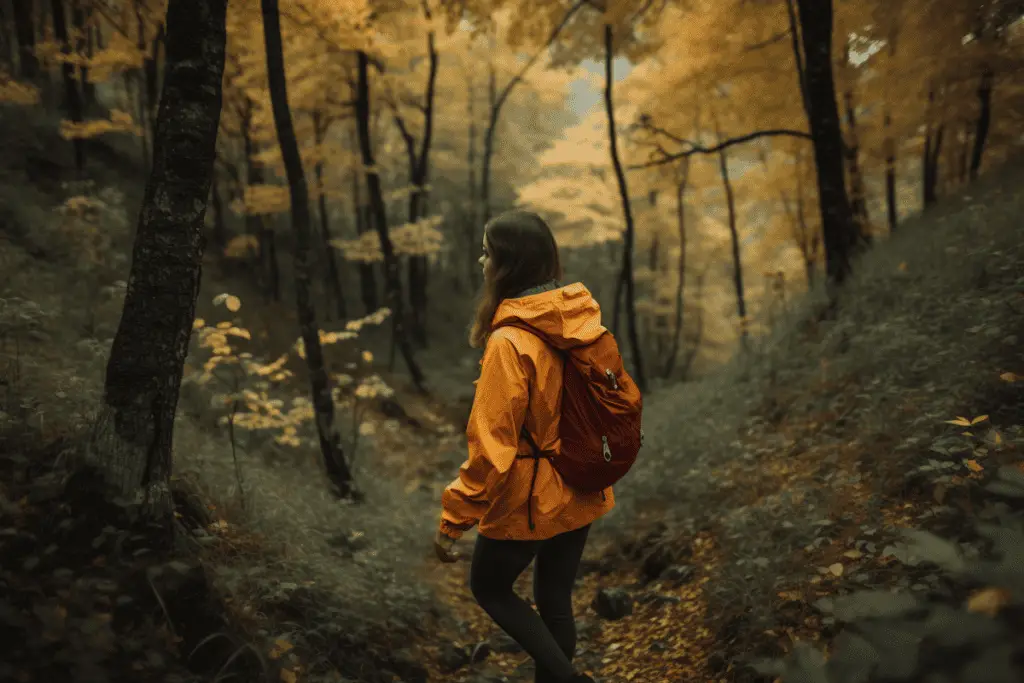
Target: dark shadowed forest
(238,262)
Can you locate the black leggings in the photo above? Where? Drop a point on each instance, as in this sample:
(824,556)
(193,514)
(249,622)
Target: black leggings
(550,636)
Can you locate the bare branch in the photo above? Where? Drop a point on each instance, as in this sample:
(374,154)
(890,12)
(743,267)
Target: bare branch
(777,38)
(526,67)
(694,148)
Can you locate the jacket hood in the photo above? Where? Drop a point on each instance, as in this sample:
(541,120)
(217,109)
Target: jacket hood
(568,316)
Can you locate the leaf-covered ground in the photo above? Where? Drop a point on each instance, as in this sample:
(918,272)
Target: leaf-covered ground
(784,479)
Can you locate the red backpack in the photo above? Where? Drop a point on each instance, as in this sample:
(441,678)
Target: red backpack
(600,428)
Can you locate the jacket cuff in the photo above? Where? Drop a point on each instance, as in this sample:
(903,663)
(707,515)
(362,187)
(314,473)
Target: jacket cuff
(452,531)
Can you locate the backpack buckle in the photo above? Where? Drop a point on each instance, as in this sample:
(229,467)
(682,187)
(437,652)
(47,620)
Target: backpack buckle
(606,450)
(611,378)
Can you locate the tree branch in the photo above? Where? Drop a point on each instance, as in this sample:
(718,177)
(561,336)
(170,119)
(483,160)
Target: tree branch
(694,148)
(526,67)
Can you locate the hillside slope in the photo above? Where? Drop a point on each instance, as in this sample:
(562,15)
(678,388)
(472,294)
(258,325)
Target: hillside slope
(782,479)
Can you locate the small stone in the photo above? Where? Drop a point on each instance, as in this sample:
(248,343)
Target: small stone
(613,603)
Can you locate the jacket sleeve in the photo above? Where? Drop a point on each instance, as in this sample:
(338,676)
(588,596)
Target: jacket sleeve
(499,409)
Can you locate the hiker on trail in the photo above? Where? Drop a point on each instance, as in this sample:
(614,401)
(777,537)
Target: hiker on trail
(555,422)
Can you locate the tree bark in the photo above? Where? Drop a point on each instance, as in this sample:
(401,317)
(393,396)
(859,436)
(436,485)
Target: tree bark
(837,222)
(132,438)
(627,251)
(393,280)
(323,403)
(984,120)
(72,98)
(24,29)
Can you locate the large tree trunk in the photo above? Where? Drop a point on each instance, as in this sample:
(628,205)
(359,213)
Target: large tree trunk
(734,235)
(677,329)
(132,438)
(323,403)
(24,28)
(827,137)
(984,119)
(72,98)
(394,283)
(627,250)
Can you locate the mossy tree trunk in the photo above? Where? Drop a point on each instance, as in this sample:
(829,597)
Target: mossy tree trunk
(132,439)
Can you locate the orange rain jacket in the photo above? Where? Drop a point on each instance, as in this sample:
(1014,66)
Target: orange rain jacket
(521,379)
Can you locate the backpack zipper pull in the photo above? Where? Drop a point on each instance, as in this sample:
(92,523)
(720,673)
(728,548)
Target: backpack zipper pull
(611,378)
(606,449)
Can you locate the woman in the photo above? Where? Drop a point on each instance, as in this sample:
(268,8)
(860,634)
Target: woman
(520,390)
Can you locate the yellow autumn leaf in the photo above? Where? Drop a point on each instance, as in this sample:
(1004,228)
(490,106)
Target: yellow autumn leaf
(1011,377)
(987,601)
(980,418)
(973,466)
(903,267)
(836,569)
(233,303)
(281,646)
(368,356)
(289,676)
(960,422)
(198,324)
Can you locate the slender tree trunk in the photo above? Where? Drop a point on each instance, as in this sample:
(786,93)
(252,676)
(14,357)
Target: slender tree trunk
(984,120)
(677,329)
(627,251)
(132,437)
(25,30)
(472,240)
(964,169)
(394,284)
(930,154)
(367,278)
(83,46)
(72,98)
(494,107)
(734,235)
(419,173)
(837,222)
(858,194)
(333,273)
(323,404)
(892,212)
(8,42)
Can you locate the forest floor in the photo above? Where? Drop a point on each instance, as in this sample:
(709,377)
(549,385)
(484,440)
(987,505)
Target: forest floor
(784,478)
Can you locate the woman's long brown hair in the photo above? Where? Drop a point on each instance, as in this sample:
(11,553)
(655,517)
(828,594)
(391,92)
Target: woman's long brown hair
(523,254)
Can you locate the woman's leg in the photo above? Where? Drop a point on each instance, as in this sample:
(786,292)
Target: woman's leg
(496,566)
(554,576)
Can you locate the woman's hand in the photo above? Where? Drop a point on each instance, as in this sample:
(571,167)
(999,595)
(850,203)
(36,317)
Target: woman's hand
(443,547)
